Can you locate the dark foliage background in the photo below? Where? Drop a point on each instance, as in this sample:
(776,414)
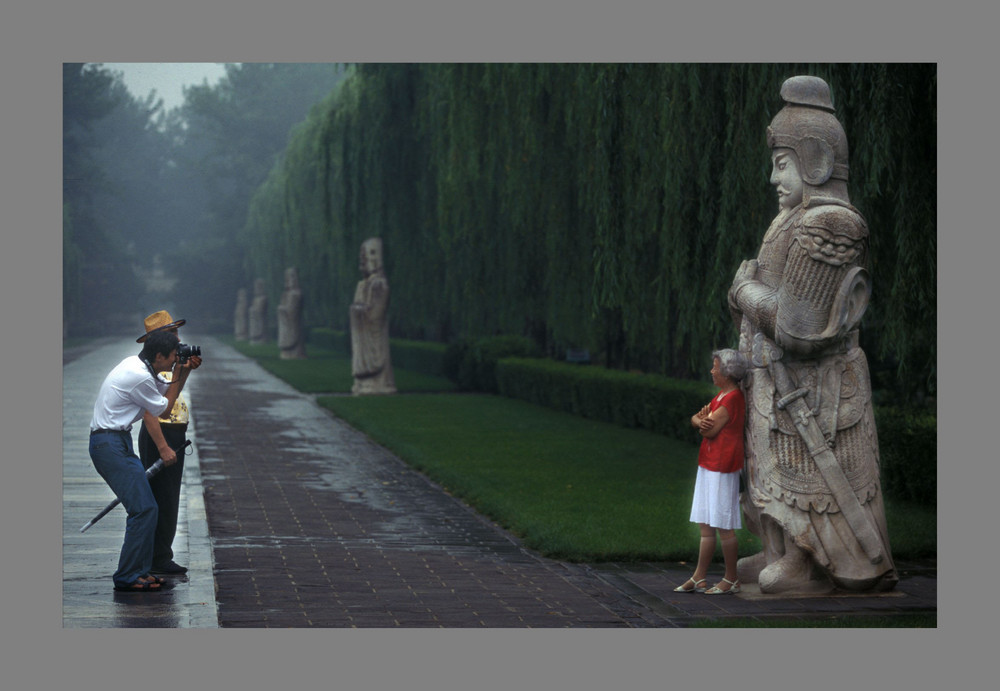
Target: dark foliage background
(594,206)
(601,206)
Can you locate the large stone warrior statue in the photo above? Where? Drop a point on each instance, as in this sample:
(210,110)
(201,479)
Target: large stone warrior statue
(813,495)
(370,361)
(291,334)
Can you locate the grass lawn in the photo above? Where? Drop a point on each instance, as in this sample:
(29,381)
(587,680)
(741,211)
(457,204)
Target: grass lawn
(571,488)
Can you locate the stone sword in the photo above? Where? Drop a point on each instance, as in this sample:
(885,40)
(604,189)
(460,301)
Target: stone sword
(766,354)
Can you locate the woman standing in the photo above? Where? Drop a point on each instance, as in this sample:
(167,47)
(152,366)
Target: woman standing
(717,488)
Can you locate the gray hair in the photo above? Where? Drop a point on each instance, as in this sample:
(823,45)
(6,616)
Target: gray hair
(732,363)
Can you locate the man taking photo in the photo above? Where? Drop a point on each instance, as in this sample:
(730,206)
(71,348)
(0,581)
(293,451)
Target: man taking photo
(132,390)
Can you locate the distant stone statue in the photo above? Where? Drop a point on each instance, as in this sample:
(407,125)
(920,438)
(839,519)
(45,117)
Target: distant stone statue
(813,494)
(240,331)
(291,336)
(370,361)
(258,313)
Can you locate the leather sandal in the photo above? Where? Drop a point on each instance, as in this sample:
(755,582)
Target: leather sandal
(696,586)
(734,587)
(139,586)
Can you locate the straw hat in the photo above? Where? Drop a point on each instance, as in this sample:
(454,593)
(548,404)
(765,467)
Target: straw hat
(159,321)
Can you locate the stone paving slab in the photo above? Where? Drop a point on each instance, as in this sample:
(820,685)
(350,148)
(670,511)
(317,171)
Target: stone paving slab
(654,583)
(302,521)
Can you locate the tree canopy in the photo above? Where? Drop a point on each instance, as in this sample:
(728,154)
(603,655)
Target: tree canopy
(148,191)
(598,206)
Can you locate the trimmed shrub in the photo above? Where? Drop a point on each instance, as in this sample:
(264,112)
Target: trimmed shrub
(472,363)
(907,440)
(436,359)
(419,356)
(454,355)
(908,450)
(647,401)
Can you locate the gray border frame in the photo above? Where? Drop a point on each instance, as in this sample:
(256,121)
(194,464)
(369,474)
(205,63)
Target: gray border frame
(35,39)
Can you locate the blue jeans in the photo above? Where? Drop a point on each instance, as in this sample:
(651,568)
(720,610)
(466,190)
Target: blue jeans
(117,463)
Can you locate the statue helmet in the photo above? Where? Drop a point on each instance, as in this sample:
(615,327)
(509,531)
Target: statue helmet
(371,254)
(808,126)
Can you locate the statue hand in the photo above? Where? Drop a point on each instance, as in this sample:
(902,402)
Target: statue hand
(746,272)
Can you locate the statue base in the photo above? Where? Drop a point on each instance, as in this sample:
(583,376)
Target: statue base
(370,387)
(752,591)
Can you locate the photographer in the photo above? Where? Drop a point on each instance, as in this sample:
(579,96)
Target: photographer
(132,391)
(157,439)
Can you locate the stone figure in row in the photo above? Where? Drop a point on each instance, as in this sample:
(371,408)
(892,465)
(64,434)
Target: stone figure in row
(240,330)
(369,319)
(813,494)
(258,313)
(291,334)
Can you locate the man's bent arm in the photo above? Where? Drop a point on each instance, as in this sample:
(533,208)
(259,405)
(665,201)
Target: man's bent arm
(156,434)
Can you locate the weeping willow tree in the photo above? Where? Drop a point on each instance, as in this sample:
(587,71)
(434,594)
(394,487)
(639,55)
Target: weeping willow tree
(600,206)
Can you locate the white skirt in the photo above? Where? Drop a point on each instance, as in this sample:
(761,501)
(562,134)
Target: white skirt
(717,499)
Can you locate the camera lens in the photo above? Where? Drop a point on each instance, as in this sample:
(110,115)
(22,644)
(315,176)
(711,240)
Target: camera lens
(185,351)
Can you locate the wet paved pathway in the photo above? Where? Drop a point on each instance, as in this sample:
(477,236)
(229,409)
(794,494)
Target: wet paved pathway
(311,524)
(315,525)
(89,600)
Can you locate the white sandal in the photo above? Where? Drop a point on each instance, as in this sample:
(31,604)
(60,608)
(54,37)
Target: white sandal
(734,587)
(696,589)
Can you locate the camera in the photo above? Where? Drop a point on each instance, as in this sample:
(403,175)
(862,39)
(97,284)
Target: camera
(185,351)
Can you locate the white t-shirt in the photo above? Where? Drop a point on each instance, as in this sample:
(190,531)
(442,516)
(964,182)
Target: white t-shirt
(128,390)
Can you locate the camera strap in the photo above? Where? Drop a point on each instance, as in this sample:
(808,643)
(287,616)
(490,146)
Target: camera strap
(148,366)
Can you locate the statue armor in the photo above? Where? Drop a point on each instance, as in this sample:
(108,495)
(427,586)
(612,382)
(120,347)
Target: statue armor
(803,297)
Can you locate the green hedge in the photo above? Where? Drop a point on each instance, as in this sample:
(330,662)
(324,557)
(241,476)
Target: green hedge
(426,357)
(472,363)
(908,448)
(907,440)
(648,401)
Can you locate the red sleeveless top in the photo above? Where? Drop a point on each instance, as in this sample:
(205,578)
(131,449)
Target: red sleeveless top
(724,452)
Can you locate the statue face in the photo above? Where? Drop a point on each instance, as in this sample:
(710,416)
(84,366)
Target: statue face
(370,259)
(786,178)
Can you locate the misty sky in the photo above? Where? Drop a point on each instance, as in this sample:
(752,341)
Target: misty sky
(167,78)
